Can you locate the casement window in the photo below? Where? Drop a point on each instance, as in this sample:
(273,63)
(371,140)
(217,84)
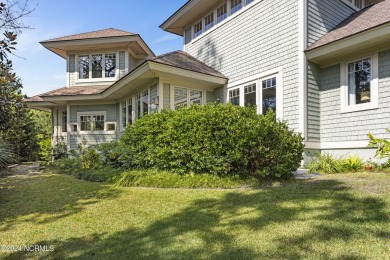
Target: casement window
(198,29)
(359,84)
(185,96)
(91,122)
(235,5)
(64,121)
(97,66)
(142,103)
(265,91)
(222,13)
(269,94)
(250,94)
(209,21)
(234,96)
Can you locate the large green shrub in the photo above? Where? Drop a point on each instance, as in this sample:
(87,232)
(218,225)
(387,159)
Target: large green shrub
(6,156)
(214,138)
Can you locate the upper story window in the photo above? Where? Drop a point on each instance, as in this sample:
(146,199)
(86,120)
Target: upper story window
(222,13)
(97,66)
(209,21)
(218,15)
(359,3)
(235,5)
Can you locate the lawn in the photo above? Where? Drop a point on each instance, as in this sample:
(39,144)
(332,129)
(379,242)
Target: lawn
(332,217)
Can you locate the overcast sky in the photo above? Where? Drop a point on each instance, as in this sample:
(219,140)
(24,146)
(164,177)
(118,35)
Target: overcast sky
(42,70)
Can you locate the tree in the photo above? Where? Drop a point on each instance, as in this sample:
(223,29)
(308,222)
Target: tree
(17,126)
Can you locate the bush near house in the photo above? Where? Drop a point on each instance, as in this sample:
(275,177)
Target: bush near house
(6,156)
(383,147)
(215,139)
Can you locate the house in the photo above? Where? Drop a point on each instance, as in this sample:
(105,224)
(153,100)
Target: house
(323,66)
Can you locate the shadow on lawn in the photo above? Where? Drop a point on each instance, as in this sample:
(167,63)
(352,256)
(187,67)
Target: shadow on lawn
(42,195)
(208,227)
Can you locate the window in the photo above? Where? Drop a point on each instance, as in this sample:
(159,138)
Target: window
(359,82)
(180,99)
(92,123)
(269,94)
(222,13)
(198,29)
(360,4)
(235,5)
(234,96)
(111,127)
(185,96)
(250,94)
(124,121)
(249,1)
(142,103)
(129,112)
(91,66)
(64,121)
(209,21)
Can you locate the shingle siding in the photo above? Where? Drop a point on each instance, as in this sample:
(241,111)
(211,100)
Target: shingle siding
(354,126)
(253,43)
(323,16)
(167,95)
(122,64)
(313,103)
(111,116)
(72,69)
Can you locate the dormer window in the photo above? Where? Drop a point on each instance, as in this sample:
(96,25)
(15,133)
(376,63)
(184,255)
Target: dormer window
(97,66)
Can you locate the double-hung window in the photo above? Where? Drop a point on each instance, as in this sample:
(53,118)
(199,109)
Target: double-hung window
(97,66)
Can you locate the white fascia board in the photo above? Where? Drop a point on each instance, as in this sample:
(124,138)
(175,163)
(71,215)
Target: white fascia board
(183,10)
(186,73)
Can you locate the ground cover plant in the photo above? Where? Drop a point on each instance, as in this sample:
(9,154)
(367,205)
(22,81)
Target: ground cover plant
(332,217)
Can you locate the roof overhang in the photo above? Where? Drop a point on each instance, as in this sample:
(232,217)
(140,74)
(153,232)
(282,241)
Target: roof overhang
(187,15)
(375,38)
(135,44)
(41,105)
(150,71)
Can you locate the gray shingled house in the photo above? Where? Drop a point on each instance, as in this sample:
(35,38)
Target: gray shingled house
(322,65)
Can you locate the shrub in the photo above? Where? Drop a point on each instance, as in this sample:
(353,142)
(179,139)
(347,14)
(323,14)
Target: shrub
(383,147)
(353,163)
(45,149)
(6,156)
(327,163)
(60,150)
(214,138)
(109,154)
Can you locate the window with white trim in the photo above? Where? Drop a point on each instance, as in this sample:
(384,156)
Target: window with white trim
(198,29)
(235,5)
(359,81)
(91,122)
(222,13)
(234,96)
(142,103)
(97,66)
(209,21)
(269,94)
(126,113)
(64,121)
(250,94)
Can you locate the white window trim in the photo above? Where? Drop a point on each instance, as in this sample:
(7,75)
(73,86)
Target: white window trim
(277,72)
(217,25)
(103,79)
(132,98)
(374,103)
(106,127)
(91,113)
(62,123)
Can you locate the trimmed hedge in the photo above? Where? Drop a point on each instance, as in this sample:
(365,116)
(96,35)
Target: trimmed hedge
(213,138)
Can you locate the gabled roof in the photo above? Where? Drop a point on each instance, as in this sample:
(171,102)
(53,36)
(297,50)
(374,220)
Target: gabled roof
(183,60)
(105,33)
(364,20)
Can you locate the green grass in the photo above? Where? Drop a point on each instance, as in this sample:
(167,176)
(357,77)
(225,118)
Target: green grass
(333,217)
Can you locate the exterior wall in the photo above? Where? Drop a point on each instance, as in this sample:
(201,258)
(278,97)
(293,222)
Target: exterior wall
(217,95)
(313,103)
(167,96)
(92,139)
(252,43)
(134,63)
(354,126)
(323,16)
